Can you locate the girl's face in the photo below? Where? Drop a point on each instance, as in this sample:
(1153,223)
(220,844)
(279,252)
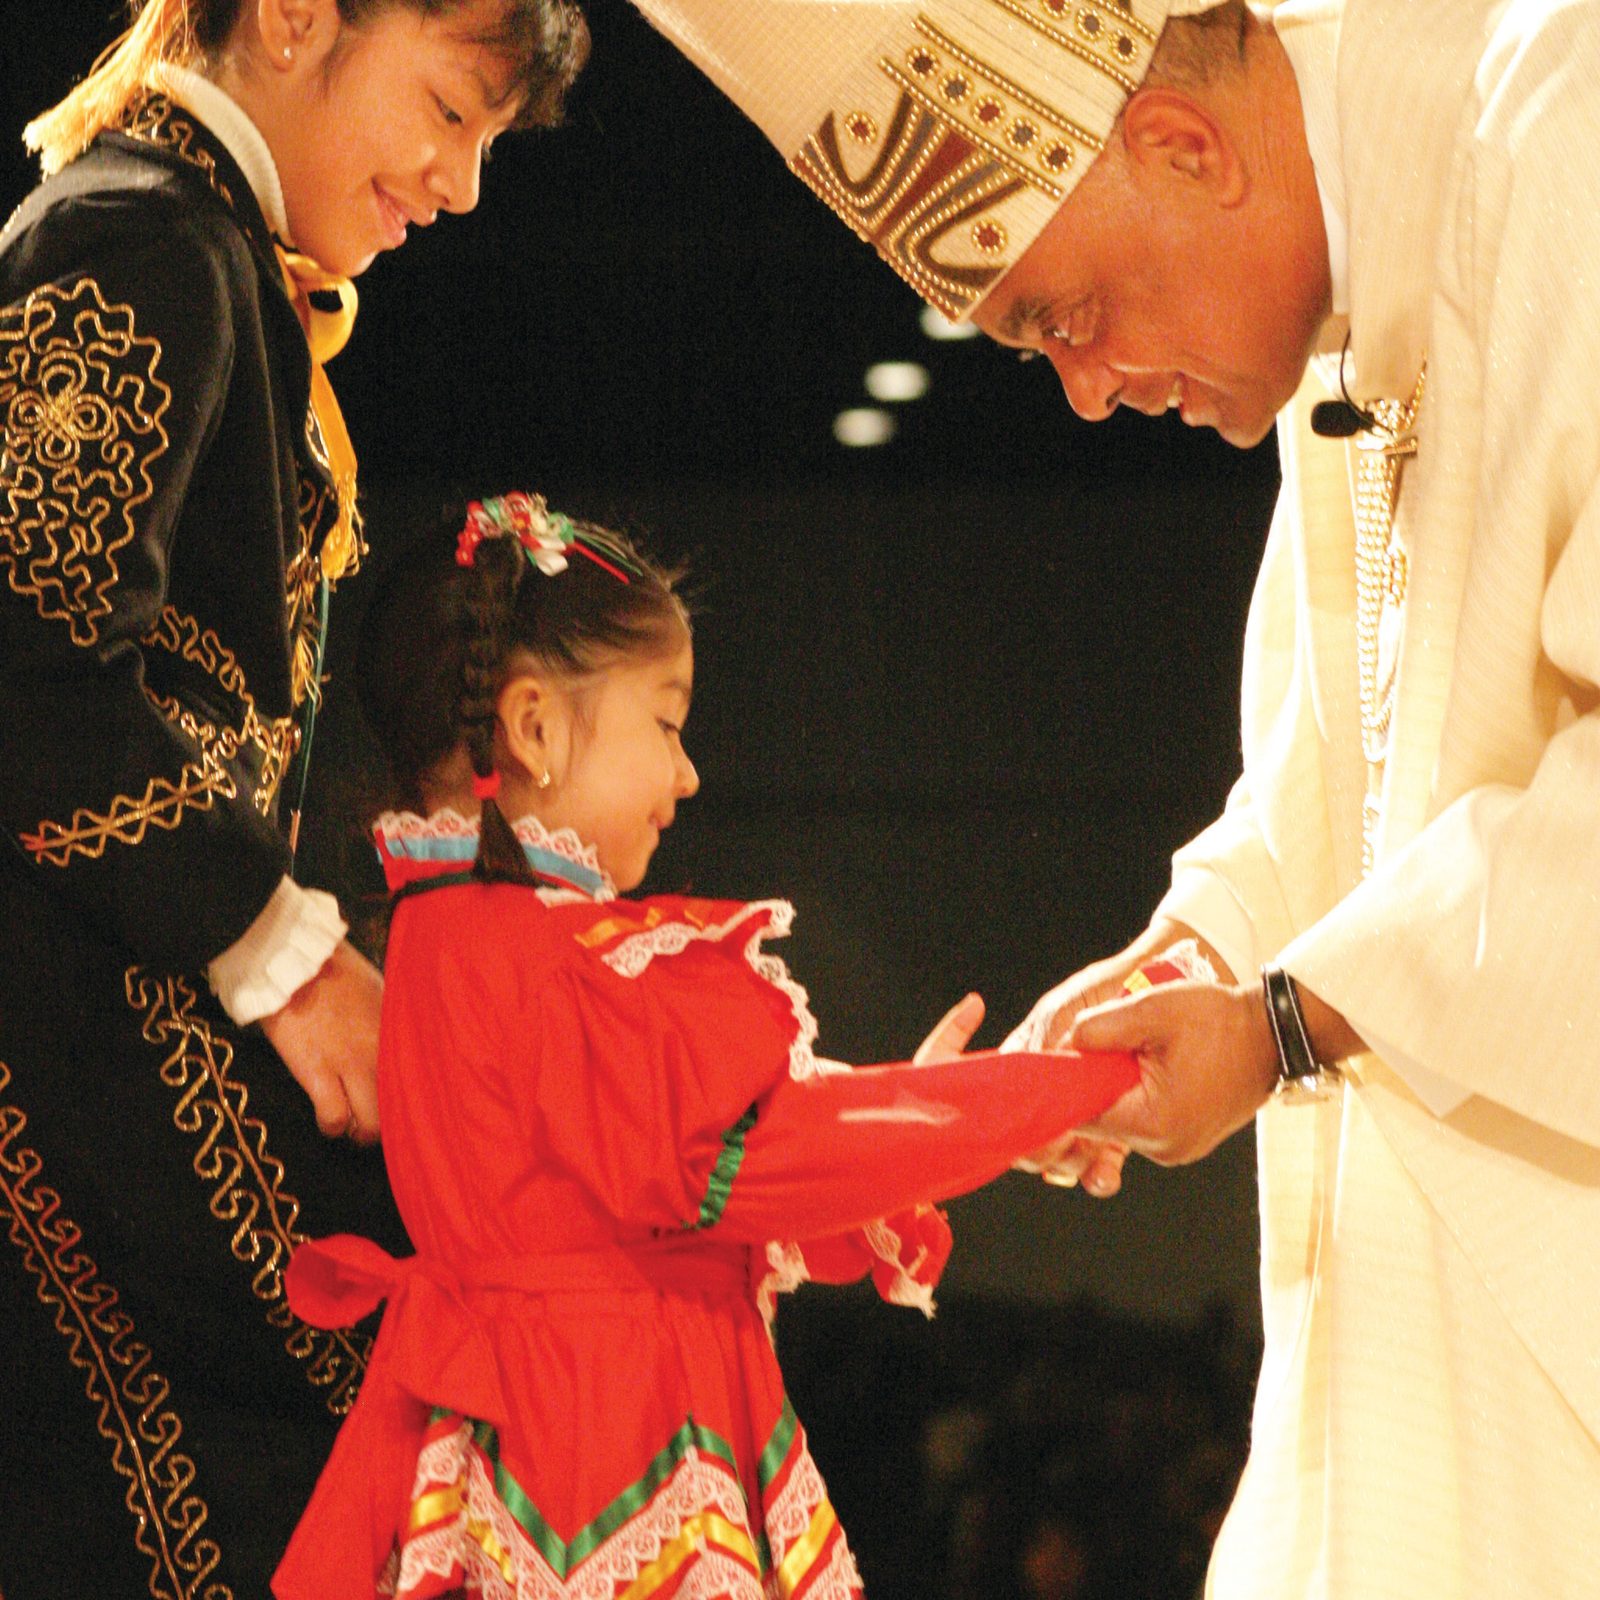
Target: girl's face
(378,127)
(620,769)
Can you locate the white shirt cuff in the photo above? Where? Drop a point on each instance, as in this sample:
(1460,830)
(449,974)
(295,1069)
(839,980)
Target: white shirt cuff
(281,951)
(1200,900)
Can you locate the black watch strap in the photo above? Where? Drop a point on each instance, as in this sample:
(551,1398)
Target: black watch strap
(1297,1060)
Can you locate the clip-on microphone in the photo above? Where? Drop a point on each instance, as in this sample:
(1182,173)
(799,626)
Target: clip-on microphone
(1341,419)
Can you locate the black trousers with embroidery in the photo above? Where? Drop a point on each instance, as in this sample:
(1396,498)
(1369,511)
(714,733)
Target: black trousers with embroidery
(165,1417)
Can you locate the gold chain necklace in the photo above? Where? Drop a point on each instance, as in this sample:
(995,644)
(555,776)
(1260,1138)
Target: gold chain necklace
(1381,563)
(1382,572)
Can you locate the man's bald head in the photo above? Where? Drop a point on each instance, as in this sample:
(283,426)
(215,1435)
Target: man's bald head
(1189,268)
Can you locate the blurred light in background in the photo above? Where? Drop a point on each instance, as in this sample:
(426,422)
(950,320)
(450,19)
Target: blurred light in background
(863,427)
(938,326)
(889,381)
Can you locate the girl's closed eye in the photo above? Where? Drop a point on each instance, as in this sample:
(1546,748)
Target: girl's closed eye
(452,117)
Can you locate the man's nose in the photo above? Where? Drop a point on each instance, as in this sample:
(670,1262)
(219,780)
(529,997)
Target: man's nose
(1092,388)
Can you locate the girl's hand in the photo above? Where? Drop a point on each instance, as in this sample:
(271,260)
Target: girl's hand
(952,1033)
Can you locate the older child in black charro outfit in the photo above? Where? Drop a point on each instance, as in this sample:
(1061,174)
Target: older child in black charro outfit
(176,490)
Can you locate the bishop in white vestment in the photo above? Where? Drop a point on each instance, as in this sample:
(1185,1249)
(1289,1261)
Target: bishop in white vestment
(1177,203)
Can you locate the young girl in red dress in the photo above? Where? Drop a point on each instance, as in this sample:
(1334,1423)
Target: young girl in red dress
(605,1125)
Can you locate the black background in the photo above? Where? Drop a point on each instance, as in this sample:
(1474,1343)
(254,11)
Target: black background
(958,697)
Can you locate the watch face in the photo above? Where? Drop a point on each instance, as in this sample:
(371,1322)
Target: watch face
(1322,1084)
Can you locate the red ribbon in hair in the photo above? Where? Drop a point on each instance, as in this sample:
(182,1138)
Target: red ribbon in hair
(486,788)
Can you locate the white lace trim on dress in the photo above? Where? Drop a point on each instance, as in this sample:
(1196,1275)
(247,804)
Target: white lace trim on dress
(638,950)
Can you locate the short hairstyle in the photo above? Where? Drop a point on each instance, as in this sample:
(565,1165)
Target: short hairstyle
(1202,48)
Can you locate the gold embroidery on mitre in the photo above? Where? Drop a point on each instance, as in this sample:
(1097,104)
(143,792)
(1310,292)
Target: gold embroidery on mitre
(1109,38)
(1382,576)
(923,185)
(81,425)
(245,1178)
(984,104)
(134,1415)
(967,156)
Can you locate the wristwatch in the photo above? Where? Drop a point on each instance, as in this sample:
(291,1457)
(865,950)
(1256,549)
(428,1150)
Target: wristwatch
(1300,1075)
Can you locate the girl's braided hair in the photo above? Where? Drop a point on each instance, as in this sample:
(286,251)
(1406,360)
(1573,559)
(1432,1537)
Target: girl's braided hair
(441,640)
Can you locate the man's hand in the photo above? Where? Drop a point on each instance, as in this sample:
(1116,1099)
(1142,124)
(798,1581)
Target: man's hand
(1208,1058)
(328,1037)
(1078,1158)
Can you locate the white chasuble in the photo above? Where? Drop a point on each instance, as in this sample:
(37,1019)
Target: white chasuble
(1427,1419)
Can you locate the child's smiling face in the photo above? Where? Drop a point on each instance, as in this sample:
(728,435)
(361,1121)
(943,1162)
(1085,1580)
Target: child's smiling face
(381,126)
(624,768)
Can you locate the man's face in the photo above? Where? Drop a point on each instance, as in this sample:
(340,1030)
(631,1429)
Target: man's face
(1153,289)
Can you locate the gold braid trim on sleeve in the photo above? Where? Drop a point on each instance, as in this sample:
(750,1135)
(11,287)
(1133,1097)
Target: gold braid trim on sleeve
(162,805)
(81,412)
(245,1178)
(134,1416)
(198,785)
(275,738)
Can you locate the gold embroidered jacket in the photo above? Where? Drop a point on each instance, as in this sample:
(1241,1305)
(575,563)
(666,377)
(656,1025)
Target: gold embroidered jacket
(162,505)
(161,502)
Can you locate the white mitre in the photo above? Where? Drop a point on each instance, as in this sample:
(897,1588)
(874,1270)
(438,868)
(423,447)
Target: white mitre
(945,132)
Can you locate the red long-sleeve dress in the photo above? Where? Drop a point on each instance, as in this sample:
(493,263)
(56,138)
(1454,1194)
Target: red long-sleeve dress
(611,1143)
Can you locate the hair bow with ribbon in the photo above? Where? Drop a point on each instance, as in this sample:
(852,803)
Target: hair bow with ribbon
(547,537)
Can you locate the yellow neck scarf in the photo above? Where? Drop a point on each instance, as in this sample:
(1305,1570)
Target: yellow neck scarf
(327,333)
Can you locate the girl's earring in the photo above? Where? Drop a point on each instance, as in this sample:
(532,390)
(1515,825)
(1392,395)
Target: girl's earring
(544,779)
(288,52)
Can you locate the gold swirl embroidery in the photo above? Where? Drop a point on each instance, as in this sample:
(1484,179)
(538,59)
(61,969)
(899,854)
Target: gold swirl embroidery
(81,412)
(161,123)
(157,121)
(134,1416)
(246,1179)
(275,738)
(318,514)
(317,510)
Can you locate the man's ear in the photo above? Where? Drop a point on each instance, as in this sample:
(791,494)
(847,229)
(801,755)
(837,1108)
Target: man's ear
(534,723)
(1167,133)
